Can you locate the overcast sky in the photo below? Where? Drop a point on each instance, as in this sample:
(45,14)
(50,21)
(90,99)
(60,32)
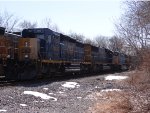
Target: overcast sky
(88,17)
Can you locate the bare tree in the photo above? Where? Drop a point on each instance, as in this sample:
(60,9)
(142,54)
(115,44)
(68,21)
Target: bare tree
(78,37)
(135,24)
(9,21)
(89,41)
(116,44)
(102,41)
(134,27)
(27,24)
(48,24)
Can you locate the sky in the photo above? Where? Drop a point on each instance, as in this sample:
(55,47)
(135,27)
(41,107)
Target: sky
(90,18)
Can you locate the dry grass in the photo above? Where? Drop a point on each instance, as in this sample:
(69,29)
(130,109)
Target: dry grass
(140,80)
(114,102)
(139,84)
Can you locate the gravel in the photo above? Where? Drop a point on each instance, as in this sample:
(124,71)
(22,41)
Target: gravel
(61,98)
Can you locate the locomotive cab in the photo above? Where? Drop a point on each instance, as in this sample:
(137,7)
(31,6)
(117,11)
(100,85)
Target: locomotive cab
(28,49)
(116,58)
(120,61)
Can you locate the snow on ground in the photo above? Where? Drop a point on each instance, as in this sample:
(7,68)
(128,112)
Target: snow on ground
(71,85)
(41,95)
(3,110)
(107,90)
(79,97)
(112,77)
(38,101)
(51,93)
(24,105)
(45,88)
(60,92)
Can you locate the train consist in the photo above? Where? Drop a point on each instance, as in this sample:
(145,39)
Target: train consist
(41,52)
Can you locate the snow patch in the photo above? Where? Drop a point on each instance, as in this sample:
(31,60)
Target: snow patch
(71,85)
(97,87)
(60,92)
(50,93)
(41,95)
(45,88)
(24,105)
(112,77)
(10,97)
(107,90)
(79,97)
(3,110)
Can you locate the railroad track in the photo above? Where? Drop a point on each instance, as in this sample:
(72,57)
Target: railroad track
(4,82)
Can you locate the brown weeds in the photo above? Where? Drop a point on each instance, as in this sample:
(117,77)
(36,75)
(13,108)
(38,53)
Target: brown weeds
(114,102)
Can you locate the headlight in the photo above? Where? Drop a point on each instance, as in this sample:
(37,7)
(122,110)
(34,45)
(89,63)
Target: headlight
(8,56)
(26,56)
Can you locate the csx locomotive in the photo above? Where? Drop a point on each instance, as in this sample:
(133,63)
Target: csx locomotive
(41,52)
(8,53)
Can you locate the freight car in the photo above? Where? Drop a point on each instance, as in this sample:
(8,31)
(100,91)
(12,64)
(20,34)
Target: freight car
(41,52)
